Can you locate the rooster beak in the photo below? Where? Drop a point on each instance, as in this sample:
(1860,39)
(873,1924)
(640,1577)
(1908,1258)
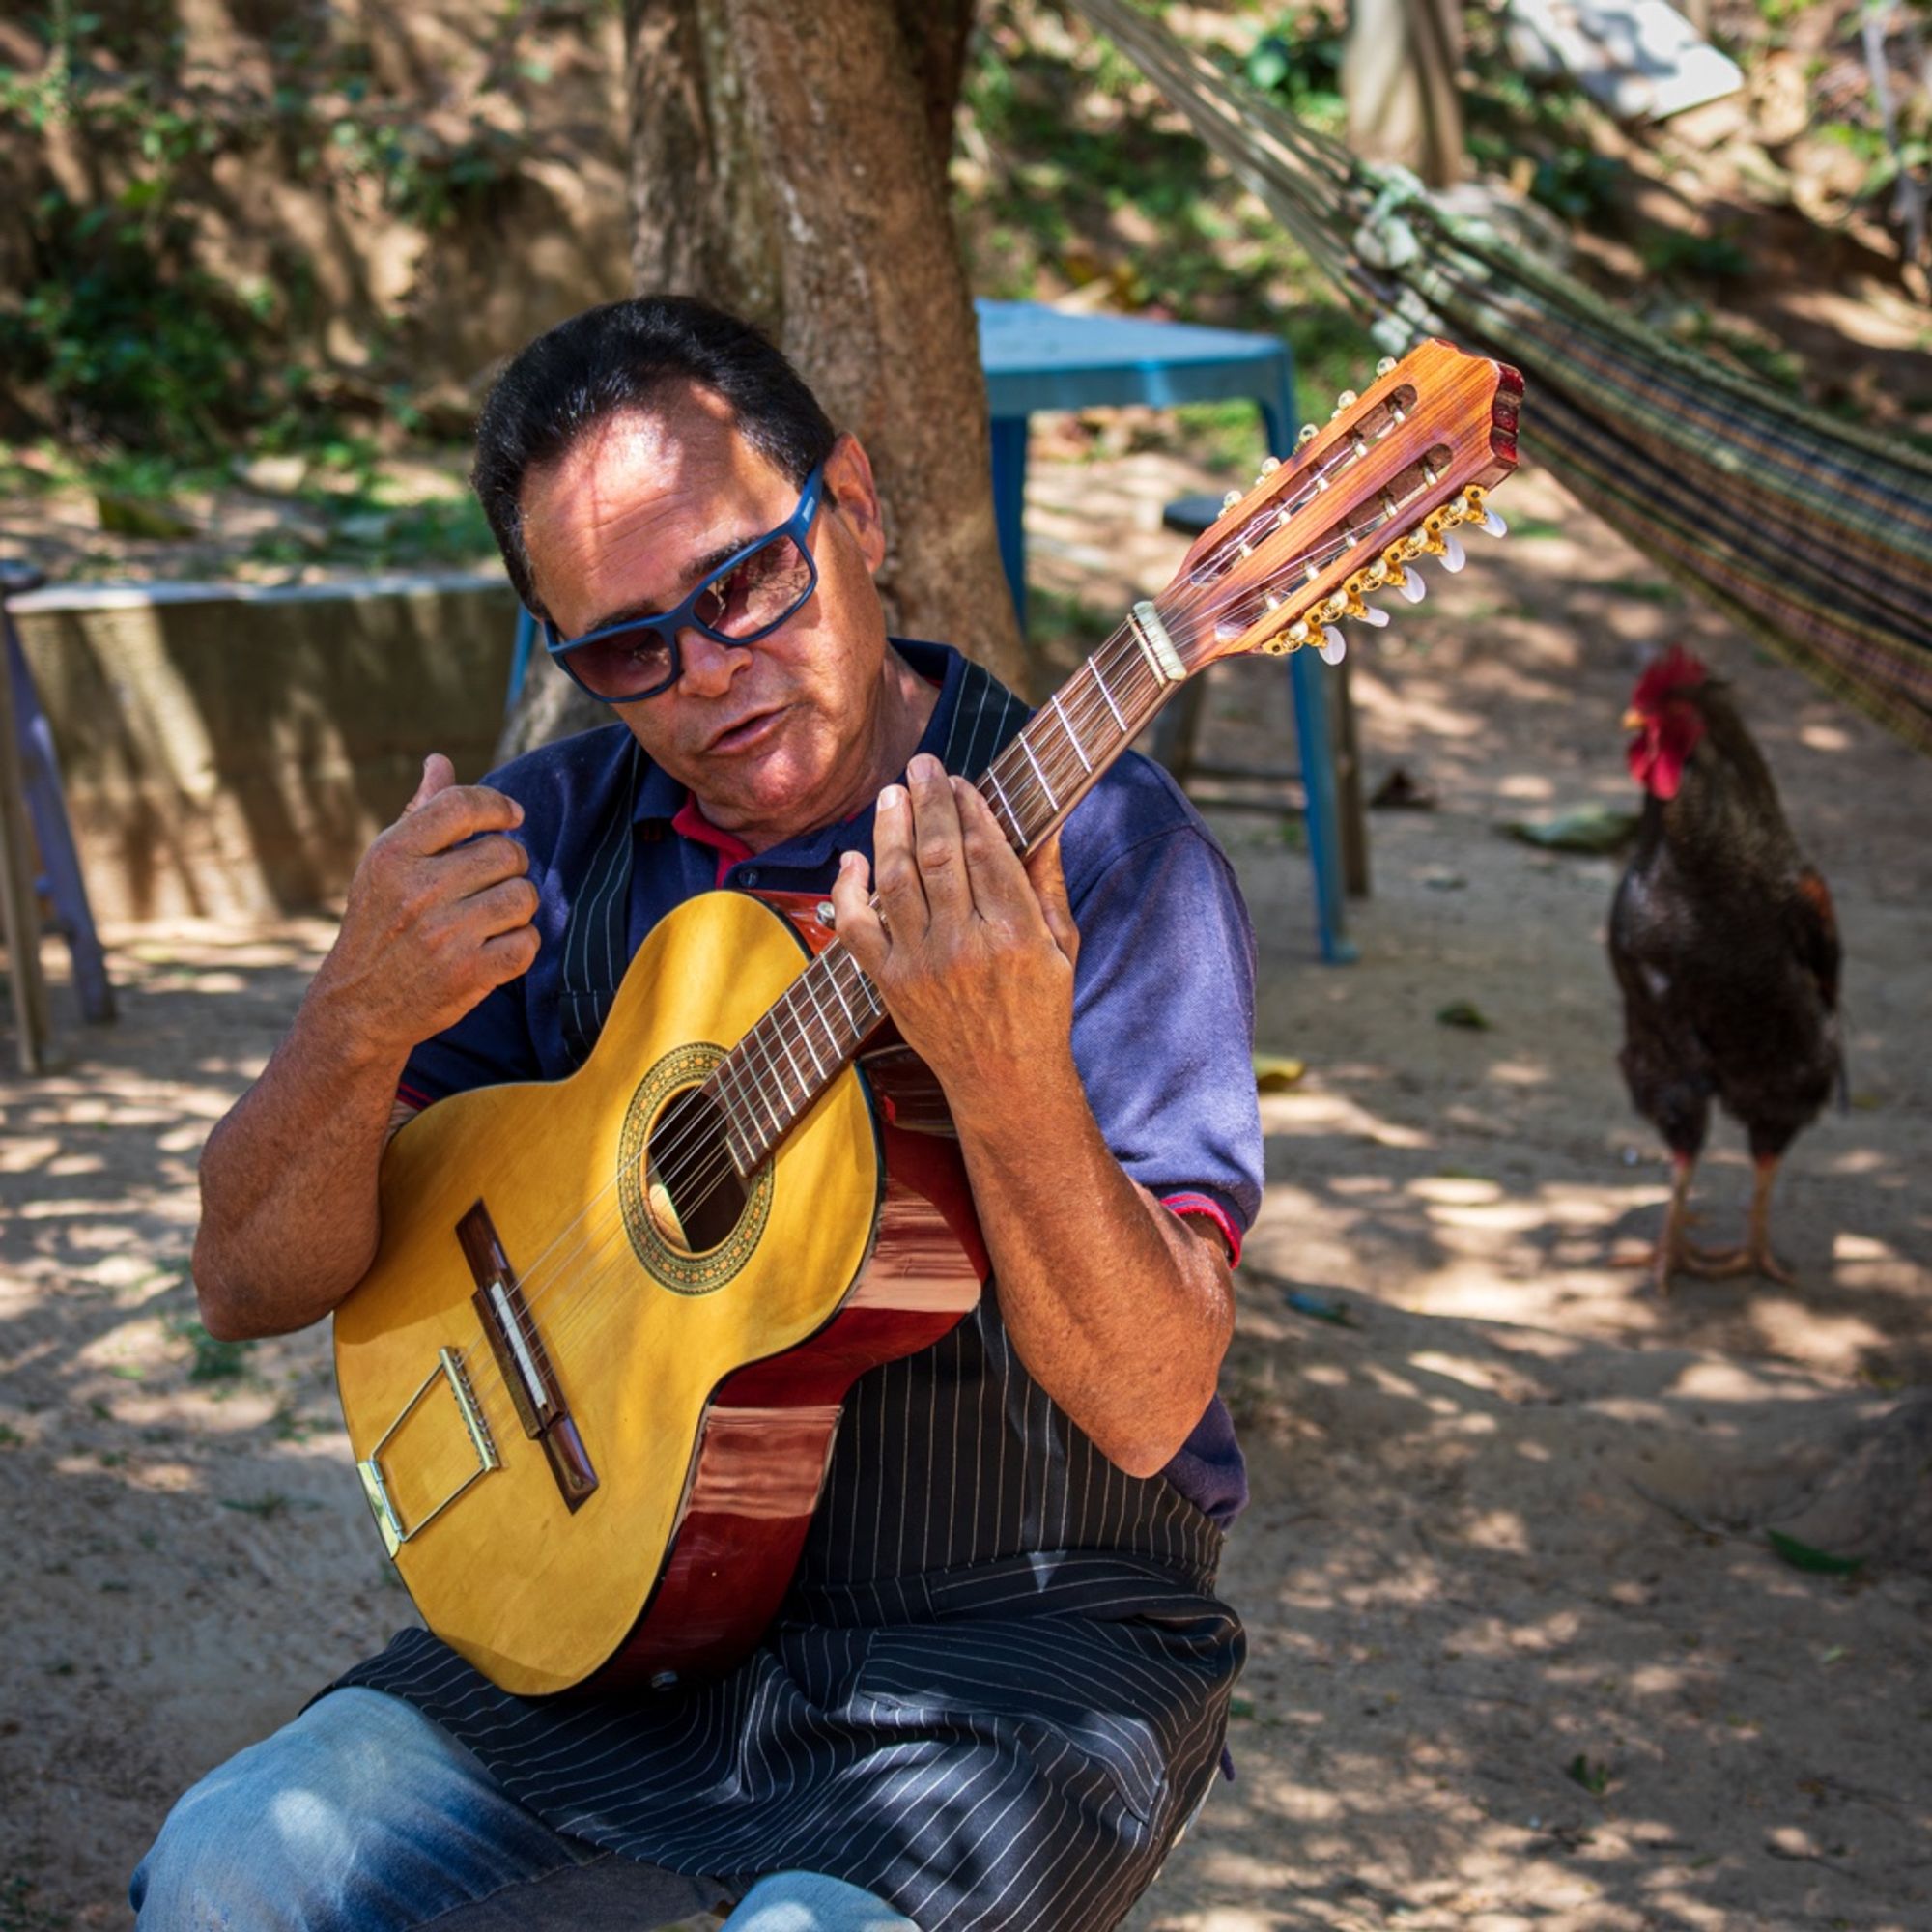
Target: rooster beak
(1634,719)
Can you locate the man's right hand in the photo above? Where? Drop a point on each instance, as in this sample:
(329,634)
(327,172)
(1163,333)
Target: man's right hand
(440,913)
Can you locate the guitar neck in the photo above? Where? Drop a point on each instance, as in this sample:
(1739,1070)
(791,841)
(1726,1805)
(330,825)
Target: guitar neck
(1060,755)
(770,1079)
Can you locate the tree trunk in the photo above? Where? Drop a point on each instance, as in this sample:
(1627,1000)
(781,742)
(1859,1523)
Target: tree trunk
(1399,81)
(788,164)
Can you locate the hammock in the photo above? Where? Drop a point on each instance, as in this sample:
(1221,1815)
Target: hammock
(1814,536)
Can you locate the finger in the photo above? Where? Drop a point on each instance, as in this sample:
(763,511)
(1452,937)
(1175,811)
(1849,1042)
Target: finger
(484,862)
(853,917)
(896,877)
(937,846)
(438,775)
(999,881)
(509,954)
(454,814)
(502,908)
(1049,883)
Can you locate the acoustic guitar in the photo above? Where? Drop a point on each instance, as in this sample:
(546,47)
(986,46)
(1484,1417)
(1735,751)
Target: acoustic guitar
(592,1380)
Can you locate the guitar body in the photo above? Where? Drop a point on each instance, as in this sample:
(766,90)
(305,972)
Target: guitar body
(680,1347)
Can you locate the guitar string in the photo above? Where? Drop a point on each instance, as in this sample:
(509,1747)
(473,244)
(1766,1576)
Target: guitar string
(552,1271)
(1026,779)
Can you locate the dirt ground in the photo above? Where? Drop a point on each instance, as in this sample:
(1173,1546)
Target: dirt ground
(1521,1655)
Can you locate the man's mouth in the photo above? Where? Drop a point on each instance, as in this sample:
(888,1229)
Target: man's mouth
(746,734)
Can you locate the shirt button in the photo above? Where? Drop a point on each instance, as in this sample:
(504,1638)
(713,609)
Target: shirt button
(749,877)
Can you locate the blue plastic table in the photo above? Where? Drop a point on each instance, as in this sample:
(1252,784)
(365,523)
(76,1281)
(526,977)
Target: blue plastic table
(1039,358)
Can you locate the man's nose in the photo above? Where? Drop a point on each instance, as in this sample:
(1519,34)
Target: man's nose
(707,667)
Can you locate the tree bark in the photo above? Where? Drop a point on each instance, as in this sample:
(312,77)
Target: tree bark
(1399,81)
(788,164)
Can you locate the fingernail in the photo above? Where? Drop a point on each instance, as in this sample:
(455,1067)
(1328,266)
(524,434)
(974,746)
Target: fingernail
(891,798)
(925,766)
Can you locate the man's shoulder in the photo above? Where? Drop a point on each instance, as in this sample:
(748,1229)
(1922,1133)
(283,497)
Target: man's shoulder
(565,763)
(1136,804)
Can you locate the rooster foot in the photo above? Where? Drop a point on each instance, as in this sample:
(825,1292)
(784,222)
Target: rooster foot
(1723,1264)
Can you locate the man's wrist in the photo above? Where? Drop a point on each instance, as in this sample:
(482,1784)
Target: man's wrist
(332,1034)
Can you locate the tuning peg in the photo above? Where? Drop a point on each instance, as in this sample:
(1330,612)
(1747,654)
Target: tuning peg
(1383,367)
(1229,502)
(1411,584)
(1269,464)
(1453,559)
(1334,647)
(1307,435)
(1374,615)
(1494,524)
(1345,401)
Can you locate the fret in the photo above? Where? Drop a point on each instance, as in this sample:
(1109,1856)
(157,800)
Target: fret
(1106,696)
(785,1046)
(1053,803)
(809,980)
(736,1144)
(758,1089)
(1072,736)
(832,972)
(1015,832)
(804,1029)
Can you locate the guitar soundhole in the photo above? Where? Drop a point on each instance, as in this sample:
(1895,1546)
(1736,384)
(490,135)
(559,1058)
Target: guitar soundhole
(692,1192)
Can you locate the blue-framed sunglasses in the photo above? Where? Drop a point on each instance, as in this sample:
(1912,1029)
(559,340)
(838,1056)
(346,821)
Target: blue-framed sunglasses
(746,598)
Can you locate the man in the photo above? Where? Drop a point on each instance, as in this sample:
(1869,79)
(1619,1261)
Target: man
(998,1687)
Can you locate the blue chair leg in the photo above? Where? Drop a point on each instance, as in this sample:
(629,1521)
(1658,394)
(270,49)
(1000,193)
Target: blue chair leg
(1313,746)
(1305,672)
(1010,464)
(46,806)
(520,657)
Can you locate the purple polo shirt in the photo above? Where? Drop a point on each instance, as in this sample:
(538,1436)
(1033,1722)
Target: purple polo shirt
(1163,1020)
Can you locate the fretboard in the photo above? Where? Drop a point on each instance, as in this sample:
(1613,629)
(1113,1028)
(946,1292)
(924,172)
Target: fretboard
(768,1082)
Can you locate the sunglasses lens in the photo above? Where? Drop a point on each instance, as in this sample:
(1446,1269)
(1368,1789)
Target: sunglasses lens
(627,663)
(763,590)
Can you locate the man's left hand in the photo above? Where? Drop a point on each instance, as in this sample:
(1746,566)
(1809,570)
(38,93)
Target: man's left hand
(972,951)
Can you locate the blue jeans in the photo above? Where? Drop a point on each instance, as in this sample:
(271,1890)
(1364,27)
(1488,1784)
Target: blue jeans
(363,1816)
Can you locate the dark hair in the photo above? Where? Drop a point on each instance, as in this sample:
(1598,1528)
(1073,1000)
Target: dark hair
(620,356)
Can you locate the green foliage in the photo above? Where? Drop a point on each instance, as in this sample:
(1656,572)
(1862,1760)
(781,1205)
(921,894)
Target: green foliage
(120,334)
(1300,65)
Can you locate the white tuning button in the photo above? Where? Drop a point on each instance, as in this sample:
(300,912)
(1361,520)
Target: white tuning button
(1334,647)
(1495,525)
(1270,464)
(1229,502)
(1374,616)
(1453,559)
(1410,583)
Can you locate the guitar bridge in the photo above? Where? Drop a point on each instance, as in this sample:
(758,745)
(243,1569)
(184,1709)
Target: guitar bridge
(376,1486)
(518,1346)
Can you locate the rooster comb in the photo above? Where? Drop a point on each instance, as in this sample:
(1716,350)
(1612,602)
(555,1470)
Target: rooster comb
(1662,677)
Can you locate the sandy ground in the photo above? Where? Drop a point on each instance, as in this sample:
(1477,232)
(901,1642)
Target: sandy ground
(1521,1656)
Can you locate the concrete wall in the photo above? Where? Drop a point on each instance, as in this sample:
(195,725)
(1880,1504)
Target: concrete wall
(228,750)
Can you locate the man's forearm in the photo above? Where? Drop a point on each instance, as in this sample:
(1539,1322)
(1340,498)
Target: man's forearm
(1121,1311)
(288,1183)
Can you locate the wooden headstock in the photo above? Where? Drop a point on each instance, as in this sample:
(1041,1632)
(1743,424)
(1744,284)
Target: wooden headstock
(1385,483)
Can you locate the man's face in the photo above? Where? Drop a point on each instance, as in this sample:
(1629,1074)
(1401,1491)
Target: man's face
(774,737)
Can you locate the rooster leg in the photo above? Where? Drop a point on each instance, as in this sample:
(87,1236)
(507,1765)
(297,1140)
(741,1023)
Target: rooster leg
(1672,1250)
(1756,1256)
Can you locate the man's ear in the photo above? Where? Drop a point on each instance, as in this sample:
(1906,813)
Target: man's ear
(851,491)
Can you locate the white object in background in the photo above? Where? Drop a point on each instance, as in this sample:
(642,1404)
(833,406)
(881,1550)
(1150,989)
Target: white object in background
(1641,59)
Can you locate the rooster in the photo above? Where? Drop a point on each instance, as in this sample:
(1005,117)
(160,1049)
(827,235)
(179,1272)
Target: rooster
(1725,946)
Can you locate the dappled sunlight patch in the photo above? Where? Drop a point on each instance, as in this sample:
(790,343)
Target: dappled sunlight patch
(1318,1110)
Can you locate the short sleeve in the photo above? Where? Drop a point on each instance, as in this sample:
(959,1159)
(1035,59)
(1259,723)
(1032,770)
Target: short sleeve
(1164,1001)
